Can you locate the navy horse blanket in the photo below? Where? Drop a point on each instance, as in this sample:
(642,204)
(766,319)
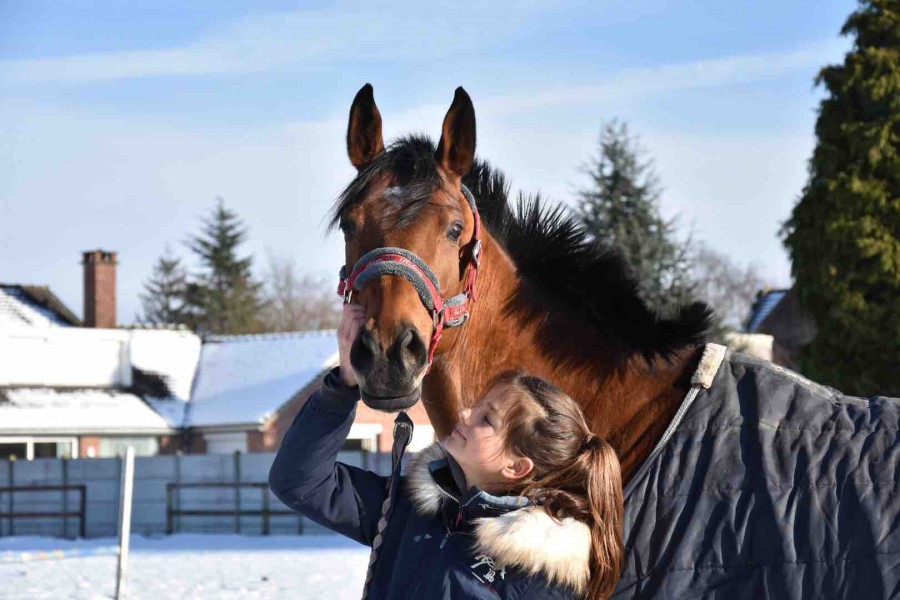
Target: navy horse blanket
(766,485)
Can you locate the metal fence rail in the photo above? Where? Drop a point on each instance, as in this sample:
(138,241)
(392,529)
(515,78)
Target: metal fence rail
(173,504)
(153,501)
(11,515)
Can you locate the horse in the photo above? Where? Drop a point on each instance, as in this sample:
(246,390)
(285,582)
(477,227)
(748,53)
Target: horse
(716,448)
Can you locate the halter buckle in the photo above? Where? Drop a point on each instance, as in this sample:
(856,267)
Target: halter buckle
(345,290)
(476,252)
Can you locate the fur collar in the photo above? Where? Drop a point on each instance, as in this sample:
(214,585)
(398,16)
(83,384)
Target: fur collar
(526,537)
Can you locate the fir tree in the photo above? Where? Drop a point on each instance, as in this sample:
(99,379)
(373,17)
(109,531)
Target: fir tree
(620,209)
(164,296)
(224,298)
(843,235)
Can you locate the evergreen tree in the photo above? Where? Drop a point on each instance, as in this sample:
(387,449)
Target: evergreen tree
(224,298)
(620,209)
(165,292)
(843,235)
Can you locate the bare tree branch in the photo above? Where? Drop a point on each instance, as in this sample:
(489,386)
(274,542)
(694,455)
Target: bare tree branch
(728,287)
(298,301)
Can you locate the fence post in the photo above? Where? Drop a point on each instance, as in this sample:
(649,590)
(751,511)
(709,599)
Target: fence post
(169,523)
(65,495)
(12,495)
(237,491)
(265,509)
(176,497)
(82,509)
(125,520)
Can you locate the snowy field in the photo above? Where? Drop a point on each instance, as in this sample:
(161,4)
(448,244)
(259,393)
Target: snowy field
(182,567)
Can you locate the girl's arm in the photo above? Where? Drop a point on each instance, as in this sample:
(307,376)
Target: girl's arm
(306,475)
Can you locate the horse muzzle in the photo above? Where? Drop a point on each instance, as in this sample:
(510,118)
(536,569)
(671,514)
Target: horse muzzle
(390,380)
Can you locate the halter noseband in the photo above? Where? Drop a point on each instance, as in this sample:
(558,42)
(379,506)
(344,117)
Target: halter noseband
(403,263)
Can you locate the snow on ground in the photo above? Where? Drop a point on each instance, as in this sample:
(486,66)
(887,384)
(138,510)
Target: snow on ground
(196,567)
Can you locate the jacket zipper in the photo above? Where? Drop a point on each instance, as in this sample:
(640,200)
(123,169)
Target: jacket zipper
(458,515)
(455,527)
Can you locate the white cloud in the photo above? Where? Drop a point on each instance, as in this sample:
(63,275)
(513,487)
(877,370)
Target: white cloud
(713,72)
(285,41)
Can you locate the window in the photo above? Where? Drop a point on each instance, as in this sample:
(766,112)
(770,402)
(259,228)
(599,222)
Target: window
(351,445)
(46,449)
(17,451)
(27,448)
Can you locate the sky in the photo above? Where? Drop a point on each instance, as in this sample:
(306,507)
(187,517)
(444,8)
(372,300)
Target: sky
(122,122)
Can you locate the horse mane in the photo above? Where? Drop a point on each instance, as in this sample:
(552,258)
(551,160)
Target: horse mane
(551,249)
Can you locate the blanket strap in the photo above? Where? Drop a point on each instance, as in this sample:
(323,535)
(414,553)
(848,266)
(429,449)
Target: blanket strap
(702,379)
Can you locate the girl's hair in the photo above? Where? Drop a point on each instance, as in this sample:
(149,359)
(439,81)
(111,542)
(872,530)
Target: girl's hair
(576,474)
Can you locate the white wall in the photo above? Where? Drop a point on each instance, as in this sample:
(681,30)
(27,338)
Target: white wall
(64,357)
(74,356)
(423,436)
(226,443)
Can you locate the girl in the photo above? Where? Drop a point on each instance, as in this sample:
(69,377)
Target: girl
(520,501)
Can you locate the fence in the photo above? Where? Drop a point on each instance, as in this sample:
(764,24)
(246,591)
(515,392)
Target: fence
(174,512)
(215,493)
(12,515)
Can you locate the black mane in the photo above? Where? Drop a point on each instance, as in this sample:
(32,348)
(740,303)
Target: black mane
(550,247)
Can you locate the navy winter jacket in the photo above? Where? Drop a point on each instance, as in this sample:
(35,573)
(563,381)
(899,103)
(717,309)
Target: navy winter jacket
(441,542)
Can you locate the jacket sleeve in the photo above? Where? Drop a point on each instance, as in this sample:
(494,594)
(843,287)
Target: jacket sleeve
(307,477)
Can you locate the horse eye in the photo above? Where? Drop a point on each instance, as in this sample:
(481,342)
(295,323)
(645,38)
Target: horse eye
(455,231)
(347,228)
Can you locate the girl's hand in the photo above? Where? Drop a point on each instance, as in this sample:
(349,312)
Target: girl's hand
(352,319)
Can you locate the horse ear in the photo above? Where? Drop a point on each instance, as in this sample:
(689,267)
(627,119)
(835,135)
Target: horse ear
(456,150)
(364,141)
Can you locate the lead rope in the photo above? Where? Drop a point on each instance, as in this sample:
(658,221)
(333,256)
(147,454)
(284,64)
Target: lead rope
(403,428)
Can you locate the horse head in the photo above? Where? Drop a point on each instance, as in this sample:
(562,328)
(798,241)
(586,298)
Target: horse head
(411,246)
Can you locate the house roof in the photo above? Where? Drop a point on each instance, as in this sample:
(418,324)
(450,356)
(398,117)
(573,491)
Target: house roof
(246,379)
(765,303)
(33,305)
(76,411)
(93,375)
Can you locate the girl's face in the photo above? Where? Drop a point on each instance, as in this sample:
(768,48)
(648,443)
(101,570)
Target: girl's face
(477,444)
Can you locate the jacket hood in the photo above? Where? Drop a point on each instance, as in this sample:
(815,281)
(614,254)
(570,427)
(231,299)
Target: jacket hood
(526,537)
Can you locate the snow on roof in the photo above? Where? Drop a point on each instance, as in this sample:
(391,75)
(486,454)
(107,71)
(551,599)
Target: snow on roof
(244,379)
(47,410)
(763,307)
(18,308)
(172,409)
(171,354)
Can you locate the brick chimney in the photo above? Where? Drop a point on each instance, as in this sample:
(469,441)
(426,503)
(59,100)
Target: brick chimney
(99,288)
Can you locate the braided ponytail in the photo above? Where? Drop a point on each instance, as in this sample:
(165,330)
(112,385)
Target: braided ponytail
(576,474)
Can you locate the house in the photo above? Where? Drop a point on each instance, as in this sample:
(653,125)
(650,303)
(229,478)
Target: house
(249,388)
(89,389)
(33,306)
(778,313)
(76,391)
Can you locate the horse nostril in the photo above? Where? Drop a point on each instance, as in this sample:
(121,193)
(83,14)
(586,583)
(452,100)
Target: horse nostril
(410,349)
(363,351)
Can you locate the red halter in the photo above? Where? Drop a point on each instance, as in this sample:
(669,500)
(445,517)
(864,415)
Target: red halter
(401,262)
